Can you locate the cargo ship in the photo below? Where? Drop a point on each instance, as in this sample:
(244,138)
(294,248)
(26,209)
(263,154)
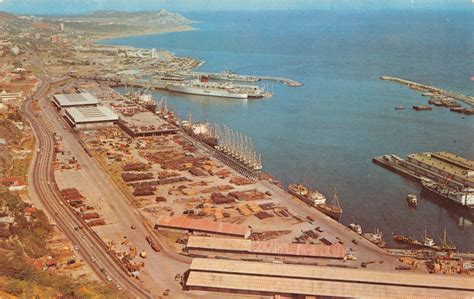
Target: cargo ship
(464,197)
(311,197)
(333,210)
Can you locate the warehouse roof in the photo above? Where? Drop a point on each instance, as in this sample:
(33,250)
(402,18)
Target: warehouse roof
(75,99)
(282,285)
(330,273)
(90,114)
(267,247)
(444,165)
(187,223)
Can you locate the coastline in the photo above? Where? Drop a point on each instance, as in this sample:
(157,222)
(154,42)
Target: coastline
(181,28)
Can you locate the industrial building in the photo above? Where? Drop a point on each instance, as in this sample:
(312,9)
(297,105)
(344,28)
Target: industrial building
(90,117)
(270,279)
(74,100)
(200,244)
(443,167)
(181,223)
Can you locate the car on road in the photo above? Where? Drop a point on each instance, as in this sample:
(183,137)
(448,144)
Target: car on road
(76,248)
(92,258)
(83,236)
(166,292)
(355,241)
(109,279)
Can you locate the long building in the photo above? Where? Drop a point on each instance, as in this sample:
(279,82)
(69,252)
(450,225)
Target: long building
(74,100)
(443,167)
(183,223)
(268,279)
(270,248)
(90,117)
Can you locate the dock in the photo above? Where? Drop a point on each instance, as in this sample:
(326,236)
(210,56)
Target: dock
(448,175)
(431,89)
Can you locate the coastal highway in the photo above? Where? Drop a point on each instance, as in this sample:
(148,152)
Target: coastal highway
(90,246)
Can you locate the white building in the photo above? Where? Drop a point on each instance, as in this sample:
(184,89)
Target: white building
(74,100)
(83,118)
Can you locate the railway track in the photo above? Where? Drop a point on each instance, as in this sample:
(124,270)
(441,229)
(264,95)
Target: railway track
(92,248)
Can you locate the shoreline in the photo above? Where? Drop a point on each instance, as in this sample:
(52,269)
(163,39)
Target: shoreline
(181,28)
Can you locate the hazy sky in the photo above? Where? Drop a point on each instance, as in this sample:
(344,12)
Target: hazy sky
(81,6)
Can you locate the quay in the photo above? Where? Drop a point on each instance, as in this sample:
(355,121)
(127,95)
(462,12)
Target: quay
(431,89)
(230,76)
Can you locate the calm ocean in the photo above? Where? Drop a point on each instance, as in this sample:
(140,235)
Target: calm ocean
(326,132)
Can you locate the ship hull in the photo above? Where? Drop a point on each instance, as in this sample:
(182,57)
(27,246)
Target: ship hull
(207,92)
(336,215)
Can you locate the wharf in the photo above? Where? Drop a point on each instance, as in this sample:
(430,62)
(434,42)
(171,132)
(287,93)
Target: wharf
(396,166)
(229,76)
(431,89)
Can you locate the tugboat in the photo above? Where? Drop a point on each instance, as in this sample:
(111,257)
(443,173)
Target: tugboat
(412,200)
(333,210)
(311,197)
(376,238)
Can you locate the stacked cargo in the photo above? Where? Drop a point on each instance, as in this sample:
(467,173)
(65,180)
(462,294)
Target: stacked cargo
(132,176)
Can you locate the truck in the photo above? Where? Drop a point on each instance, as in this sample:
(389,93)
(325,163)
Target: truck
(153,244)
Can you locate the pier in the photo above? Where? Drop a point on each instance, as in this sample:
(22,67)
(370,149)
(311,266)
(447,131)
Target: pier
(435,90)
(230,76)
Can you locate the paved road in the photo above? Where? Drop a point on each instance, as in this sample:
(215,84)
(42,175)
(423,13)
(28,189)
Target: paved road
(42,182)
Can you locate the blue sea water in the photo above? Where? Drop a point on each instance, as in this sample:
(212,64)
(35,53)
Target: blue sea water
(327,131)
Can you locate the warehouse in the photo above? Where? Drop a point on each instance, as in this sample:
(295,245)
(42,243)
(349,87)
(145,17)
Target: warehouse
(90,117)
(181,223)
(200,244)
(74,100)
(269,279)
(443,167)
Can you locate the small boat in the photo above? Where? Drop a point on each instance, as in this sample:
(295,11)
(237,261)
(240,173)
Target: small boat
(406,239)
(399,108)
(421,107)
(355,227)
(445,246)
(427,241)
(412,199)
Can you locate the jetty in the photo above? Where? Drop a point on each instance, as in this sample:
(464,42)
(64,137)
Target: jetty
(431,89)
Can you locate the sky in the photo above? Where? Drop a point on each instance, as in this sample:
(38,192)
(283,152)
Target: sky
(84,6)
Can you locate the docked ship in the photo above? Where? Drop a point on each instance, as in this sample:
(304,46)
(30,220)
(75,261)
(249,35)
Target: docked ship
(311,197)
(333,210)
(232,144)
(428,242)
(216,89)
(445,246)
(376,238)
(464,197)
(406,239)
